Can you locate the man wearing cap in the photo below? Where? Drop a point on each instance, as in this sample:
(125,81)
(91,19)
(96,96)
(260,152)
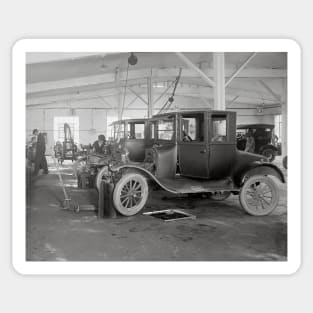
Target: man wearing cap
(99,146)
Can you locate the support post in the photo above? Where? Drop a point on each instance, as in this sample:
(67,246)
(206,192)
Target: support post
(150,97)
(219,73)
(118,96)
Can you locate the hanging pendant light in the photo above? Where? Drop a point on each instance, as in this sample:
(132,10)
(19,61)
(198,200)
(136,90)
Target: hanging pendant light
(132,60)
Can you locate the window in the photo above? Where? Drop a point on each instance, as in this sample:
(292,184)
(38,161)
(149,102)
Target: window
(118,131)
(58,128)
(219,128)
(136,130)
(192,128)
(166,129)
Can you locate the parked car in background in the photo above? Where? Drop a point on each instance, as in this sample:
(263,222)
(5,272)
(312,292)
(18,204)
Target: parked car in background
(266,142)
(128,145)
(195,152)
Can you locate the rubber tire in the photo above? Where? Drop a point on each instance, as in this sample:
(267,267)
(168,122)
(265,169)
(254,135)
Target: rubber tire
(275,192)
(98,179)
(270,152)
(118,188)
(219,195)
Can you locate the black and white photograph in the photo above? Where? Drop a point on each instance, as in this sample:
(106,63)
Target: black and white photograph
(166,156)
(156,156)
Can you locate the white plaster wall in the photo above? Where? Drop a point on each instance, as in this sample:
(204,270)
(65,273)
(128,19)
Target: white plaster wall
(90,123)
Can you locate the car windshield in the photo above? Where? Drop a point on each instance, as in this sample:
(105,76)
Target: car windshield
(165,129)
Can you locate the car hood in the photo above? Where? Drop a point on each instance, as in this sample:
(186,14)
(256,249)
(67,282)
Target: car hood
(243,156)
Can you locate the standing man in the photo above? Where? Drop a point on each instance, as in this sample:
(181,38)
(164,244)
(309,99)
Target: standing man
(250,143)
(40,158)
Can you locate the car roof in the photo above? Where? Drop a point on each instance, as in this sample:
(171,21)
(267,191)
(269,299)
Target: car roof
(246,126)
(157,116)
(129,120)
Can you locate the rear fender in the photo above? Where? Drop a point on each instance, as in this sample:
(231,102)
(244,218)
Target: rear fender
(258,168)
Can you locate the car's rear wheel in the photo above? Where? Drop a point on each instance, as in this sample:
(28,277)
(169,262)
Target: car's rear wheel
(269,154)
(102,174)
(259,195)
(130,194)
(219,195)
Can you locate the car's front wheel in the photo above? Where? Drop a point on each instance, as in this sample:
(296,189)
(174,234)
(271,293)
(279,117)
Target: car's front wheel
(259,195)
(130,194)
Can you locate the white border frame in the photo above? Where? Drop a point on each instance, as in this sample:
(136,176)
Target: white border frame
(156,45)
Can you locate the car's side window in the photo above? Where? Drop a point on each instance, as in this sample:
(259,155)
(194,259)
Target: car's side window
(192,128)
(219,128)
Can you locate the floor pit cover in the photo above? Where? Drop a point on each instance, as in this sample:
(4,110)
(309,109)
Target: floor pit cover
(170,215)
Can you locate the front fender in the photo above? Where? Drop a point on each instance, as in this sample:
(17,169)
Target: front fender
(145,172)
(268,147)
(258,168)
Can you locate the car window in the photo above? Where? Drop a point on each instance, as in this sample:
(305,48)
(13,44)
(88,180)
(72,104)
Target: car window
(165,129)
(219,128)
(192,128)
(135,130)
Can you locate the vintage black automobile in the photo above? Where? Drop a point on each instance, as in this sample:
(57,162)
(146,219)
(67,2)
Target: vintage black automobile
(129,144)
(195,152)
(266,143)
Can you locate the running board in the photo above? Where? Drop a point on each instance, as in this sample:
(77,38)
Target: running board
(186,185)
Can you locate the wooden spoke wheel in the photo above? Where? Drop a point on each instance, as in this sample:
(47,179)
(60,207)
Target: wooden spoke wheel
(130,194)
(259,195)
(102,174)
(219,195)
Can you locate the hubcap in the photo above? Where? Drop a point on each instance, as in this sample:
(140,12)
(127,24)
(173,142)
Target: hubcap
(131,194)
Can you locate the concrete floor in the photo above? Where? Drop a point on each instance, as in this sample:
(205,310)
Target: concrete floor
(221,231)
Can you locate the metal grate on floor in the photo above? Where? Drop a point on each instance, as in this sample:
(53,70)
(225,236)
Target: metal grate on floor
(170,215)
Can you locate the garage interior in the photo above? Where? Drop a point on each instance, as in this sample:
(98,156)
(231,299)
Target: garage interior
(89,92)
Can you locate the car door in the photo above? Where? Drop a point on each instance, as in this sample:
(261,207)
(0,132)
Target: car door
(222,142)
(193,152)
